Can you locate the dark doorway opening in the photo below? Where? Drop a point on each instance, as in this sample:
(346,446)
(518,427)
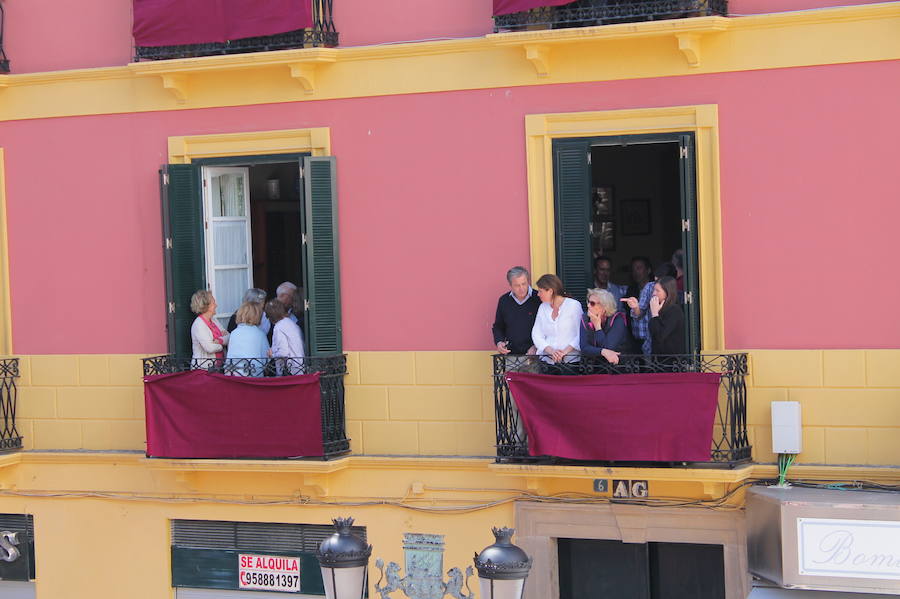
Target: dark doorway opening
(276,227)
(605,568)
(636,204)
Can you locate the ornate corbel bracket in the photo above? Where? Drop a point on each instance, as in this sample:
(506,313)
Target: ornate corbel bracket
(177,85)
(539,56)
(304,73)
(689,44)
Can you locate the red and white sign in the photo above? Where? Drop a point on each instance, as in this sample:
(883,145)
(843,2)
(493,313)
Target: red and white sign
(269,573)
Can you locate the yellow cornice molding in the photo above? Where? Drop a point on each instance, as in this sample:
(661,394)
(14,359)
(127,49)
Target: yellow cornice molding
(650,49)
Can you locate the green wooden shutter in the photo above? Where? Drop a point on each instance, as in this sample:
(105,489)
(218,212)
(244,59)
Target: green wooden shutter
(321,270)
(689,241)
(571,179)
(185,258)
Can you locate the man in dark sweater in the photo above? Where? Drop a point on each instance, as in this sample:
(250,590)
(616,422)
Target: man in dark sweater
(516,312)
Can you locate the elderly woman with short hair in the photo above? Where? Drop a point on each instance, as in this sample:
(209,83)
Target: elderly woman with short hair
(256,295)
(207,339)
(603,329)
(249,346)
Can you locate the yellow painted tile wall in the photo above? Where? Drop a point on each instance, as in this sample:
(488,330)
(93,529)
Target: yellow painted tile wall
(849,402)
(421,403)
(81,402)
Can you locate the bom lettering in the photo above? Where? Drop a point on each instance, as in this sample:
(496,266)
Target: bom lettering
(838,549)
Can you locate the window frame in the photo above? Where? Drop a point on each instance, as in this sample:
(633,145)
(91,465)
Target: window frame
(702,121)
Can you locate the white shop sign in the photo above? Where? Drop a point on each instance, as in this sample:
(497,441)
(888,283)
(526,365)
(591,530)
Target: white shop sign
(268,573)
(849,548)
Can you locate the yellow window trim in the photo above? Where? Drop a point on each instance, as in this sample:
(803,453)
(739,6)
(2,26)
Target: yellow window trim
(5,310)
(184,149)
(702,120)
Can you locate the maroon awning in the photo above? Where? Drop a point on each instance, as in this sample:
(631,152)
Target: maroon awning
(505,7)
(178,22)
(198,414)
(626,417)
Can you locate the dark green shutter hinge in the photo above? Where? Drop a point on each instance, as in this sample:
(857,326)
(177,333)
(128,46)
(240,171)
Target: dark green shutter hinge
(685,225)
(684,151)
(165,178)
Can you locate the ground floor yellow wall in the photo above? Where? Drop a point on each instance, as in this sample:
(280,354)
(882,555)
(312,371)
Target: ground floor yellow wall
(441,403)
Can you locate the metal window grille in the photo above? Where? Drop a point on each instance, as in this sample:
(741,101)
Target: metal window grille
(252,536)
(588,13)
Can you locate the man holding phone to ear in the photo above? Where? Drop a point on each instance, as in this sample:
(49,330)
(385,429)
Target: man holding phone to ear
(516,312)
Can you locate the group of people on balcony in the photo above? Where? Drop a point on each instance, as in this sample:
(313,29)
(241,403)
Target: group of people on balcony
(642,318)
(258,330)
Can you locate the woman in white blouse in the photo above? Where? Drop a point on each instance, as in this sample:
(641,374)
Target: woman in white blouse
(207,339)
(556,328)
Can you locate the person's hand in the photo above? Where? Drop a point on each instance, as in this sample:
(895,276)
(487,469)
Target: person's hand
(269,353)
(531,351)
(632,302)
(596,320)
(501,347)
(558,355)
(218,340)
(611,356)
(655,306)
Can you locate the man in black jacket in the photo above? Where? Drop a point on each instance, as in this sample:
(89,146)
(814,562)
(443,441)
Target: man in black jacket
(516,312)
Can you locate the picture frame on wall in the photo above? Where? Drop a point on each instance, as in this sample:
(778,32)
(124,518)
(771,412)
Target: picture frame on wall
(636,216)
(602,202)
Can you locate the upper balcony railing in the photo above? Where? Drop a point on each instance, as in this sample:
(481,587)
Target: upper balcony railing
(10,439)
(587,13)
(331,369)
(321,34)
(729,444)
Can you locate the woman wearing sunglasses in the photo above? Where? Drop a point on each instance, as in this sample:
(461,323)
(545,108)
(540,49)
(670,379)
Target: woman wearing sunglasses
(603,328)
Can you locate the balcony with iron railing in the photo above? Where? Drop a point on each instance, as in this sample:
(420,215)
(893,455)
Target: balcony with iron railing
(237,417)
(588,13)
(728,446)
(321,34)
(10,439)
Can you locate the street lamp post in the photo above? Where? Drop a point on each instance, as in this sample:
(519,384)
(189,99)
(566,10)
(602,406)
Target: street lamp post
(502,567)
(344,559)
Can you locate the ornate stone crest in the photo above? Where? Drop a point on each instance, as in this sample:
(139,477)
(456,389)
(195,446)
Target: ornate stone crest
(424,558)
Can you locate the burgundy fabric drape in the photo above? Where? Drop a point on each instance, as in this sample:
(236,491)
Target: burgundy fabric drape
(505,7)
(198,414)
(625,417)
(177,22)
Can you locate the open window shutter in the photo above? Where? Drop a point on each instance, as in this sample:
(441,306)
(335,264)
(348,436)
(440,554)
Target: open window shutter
(689,242)
(321,264)
(185,260)
(572,182)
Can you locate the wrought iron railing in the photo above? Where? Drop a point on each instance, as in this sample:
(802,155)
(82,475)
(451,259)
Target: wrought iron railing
(321,34)
(10,439)
(4,61)
(331,371)
(729,445)
(586,13)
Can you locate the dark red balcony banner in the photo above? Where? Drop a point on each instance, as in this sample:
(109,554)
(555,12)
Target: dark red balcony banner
(198,414)
(625,417)
(505,7)
(178,22)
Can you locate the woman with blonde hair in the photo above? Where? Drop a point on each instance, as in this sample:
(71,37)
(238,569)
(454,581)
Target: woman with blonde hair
(208,341)
(603,329)
(249,346)
(555,332)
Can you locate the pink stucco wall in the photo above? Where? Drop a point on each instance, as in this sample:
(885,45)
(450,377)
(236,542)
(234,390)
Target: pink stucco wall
(51,35)
(433,209)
